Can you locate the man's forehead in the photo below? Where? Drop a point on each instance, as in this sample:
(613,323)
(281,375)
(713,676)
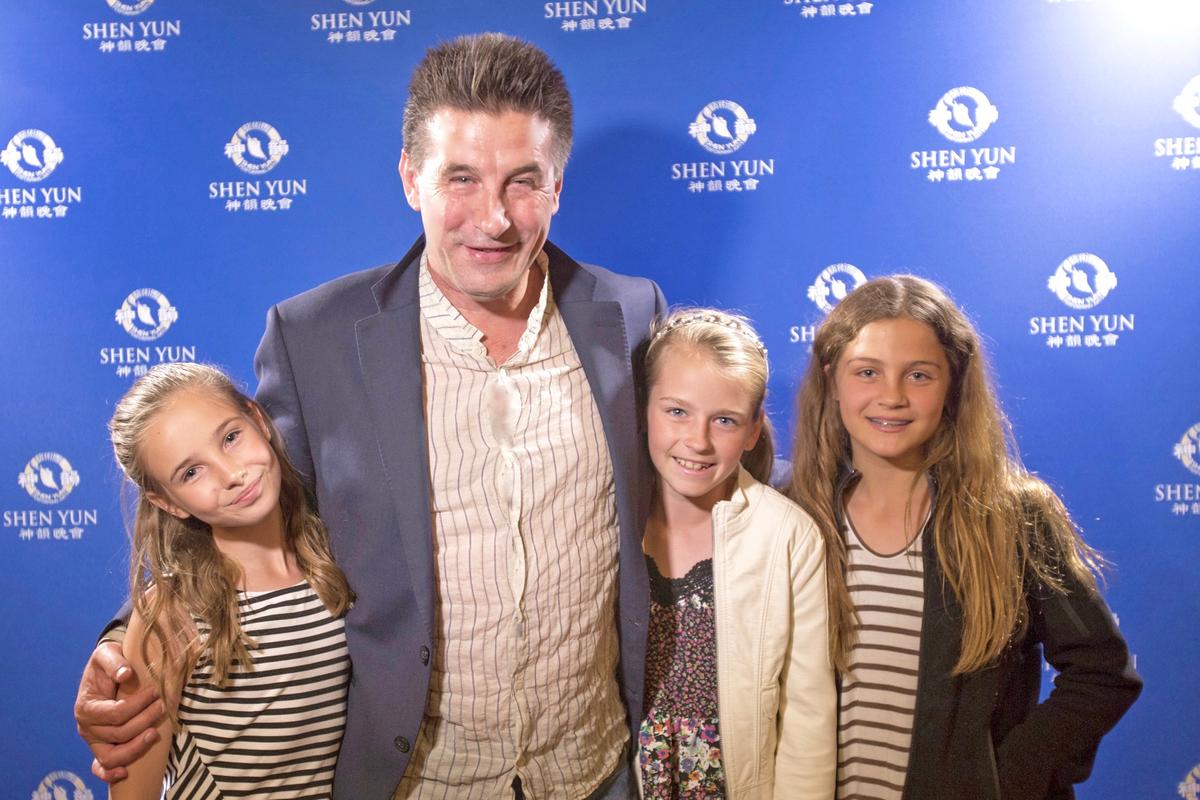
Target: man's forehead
(457,135)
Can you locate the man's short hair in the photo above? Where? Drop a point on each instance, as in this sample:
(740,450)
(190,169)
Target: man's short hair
(492,73)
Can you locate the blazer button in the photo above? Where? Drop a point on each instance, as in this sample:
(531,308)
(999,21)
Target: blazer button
(424,654)
(401,744)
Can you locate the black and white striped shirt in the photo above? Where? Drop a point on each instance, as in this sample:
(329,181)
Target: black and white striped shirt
(273,732)
(879,693)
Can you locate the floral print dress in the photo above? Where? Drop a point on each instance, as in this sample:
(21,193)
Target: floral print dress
(679,747)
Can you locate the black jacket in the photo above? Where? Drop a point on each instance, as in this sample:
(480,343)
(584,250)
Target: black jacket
(983,735)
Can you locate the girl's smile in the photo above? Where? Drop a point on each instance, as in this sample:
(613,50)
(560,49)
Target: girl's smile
(699,424)
(890,386)
(212,461)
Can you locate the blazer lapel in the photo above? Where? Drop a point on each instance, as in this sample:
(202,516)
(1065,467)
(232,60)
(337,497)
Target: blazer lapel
(597,330)
(389,356)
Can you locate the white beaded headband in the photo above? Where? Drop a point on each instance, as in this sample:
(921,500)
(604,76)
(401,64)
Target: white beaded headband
(732,323)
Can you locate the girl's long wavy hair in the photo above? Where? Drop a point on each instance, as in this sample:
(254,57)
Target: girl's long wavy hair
(177,574)
(730,343)
(995,527)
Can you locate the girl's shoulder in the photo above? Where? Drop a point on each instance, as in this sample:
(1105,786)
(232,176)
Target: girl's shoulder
(147,650)
(768,506)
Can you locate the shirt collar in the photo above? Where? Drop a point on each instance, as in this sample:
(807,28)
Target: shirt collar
(451,325)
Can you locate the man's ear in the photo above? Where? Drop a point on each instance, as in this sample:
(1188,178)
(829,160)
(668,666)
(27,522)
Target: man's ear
(558,184)
(408,176)
(166,505)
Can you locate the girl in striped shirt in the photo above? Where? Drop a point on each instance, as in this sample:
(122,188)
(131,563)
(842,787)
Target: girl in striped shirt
(237,602)
(952,570)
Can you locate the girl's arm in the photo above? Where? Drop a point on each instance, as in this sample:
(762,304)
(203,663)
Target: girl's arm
(806,753)
(1055,745)
(145,774)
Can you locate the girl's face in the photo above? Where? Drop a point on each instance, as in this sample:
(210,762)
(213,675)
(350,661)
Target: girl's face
(699,423)
(211,460)
(890,386)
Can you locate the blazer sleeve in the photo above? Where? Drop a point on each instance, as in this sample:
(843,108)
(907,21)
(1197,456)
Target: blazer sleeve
(1055,745)
(279,396)
(806,750)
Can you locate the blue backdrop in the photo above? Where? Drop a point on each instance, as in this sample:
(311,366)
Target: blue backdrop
(172,168)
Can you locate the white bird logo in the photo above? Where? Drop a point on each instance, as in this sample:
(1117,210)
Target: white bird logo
(721,126)
(254,147)
(961,115)
(145,315)
(29,155)
(47,477)
(1079,281)
(838,288)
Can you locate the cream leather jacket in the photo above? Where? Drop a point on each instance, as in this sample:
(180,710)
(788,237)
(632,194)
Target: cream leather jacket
(776,695)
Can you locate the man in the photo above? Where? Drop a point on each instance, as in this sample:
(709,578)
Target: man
(468,417)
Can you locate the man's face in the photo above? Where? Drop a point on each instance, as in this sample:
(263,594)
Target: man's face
(486,192)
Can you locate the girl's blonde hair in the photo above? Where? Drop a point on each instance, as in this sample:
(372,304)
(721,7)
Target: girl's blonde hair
(731,344)
(176,571)
(995,525)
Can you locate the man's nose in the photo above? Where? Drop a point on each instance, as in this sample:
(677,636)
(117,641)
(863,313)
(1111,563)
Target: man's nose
(493,215)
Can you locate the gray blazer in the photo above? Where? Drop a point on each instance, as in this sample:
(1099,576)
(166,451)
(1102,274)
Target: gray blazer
(339,371)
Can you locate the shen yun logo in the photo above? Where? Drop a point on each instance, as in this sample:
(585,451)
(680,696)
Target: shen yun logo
(963,122)
(62,785)
(146,314)
(833,284)
(963,115)
(722,127)
(1185,450)
(830,288)
(1082,281)
(1184,151)
(130,9)
(1189,787)
(256,148)
(48,478)
(31,155)
(1187,103)
(1184,500)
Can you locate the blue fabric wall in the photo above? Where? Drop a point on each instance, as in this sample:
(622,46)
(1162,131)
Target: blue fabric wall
(1040,158)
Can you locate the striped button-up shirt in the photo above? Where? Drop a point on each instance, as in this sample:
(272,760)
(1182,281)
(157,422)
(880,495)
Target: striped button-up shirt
(525,547)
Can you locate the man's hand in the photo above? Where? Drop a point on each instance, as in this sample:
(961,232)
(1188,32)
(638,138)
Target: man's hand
(117,731)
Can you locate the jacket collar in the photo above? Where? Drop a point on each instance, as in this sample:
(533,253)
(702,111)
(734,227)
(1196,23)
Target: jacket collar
(745,494)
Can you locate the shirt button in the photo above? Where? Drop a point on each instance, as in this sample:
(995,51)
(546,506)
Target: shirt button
(401,744)
(424,654)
